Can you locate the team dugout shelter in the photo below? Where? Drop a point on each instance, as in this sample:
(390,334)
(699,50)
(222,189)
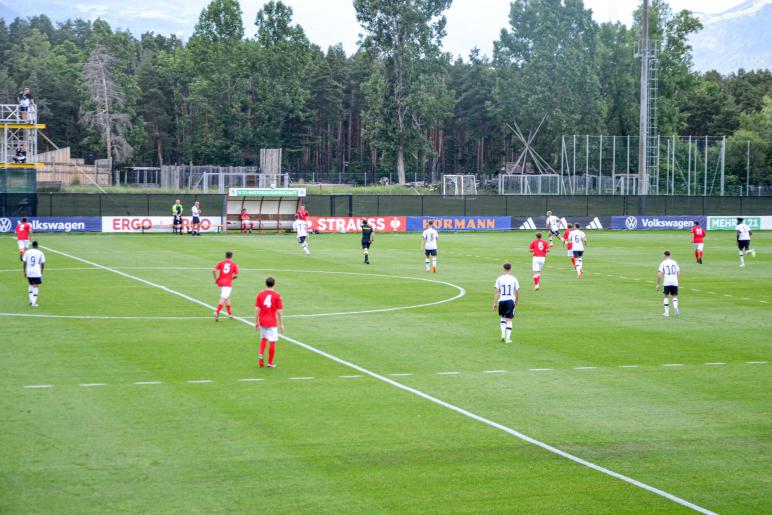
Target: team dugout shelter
(269,209)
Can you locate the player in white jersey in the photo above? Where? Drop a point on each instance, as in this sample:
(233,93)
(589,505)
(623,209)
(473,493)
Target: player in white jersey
(578,242)
(744,233)
(553,224)
(195,213)
(429,246)
(505,300)
(668,274)
(301,230)
(34,262)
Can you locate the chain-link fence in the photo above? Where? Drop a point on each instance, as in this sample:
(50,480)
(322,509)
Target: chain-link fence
(135,204)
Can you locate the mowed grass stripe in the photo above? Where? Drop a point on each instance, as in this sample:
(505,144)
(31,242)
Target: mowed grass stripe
(462,333)
(421,394)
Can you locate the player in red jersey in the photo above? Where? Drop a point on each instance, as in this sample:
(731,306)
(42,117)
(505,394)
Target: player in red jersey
(246,225)
(301,213)
(569,244)
(539,249)
(228,271)
(698,238)
(23,231)
(268,311)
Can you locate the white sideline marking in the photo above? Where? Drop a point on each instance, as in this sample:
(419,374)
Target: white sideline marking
(673,365)
(8,270)
(755,362)
(91,385)
(715,363)
(305,378)
(448,373)
(352,376)
(585,368)
(38,385)
(402,374)
(494,371)
(425,396)
(539,369)
(99,317)
(629,366)
(148,382)
(249,380)
(199,381)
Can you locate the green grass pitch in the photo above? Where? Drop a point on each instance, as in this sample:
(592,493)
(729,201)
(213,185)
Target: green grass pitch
(680,404)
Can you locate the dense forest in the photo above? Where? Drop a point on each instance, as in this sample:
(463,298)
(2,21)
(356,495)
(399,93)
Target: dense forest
(399,104)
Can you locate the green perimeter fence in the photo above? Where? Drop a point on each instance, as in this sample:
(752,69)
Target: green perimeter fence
(140,204)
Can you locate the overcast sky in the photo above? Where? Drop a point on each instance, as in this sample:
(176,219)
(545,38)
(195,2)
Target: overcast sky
(470,22)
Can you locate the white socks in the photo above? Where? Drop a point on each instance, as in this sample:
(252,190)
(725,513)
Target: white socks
(434,262)
(504,327)
(33,295)
(667,307)
(508,331)
(305,248)
(426,263)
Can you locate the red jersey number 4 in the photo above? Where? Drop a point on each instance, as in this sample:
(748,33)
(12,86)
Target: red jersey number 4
(269,302)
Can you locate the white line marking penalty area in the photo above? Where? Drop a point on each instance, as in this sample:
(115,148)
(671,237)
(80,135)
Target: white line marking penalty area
(418,393)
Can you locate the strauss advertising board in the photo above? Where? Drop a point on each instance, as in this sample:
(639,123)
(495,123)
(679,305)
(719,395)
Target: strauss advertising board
(353,224)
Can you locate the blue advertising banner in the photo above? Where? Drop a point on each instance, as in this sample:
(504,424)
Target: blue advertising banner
(460,223)
(642,223)
(54,224)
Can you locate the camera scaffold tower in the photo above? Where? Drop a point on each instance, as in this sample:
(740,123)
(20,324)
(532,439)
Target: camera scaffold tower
(19,133)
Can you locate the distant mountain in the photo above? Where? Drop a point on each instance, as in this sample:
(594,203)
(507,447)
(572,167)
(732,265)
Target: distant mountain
(7,13)
(738,38)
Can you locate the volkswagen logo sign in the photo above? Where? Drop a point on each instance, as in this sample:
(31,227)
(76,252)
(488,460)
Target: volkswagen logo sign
(631,222)
(5,225)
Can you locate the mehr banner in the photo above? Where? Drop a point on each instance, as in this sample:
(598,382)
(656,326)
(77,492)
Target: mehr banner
(134,224)
(460,223)
(728,223)
(54,224)
(656,223)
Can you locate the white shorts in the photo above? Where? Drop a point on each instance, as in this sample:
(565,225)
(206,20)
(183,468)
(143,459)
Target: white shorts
(538,264)
(225,292)
(698,246)
(23,244)
(269,333)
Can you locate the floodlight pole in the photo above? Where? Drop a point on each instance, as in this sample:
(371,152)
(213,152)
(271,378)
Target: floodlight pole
(643,131)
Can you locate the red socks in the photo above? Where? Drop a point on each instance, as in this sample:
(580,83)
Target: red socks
(229,309)
(262,346)
(271,352)
(573,262)
(536,279)
(219,308)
